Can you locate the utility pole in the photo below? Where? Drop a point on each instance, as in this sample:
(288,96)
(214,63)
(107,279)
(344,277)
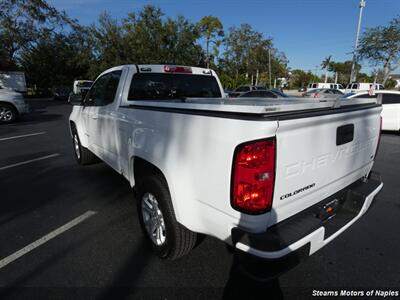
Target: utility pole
(269,67)
(353,74)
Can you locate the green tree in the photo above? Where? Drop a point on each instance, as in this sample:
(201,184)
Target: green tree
(108,44)
(247,52)
(180,36)
(56,61)
(325,66)
(211,29)
(150,39)
(342,70)
(22,23)
(381,46)
(300,78)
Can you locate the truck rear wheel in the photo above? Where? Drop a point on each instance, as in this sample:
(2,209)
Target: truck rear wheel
(82,155)
(170,240)
(7,113)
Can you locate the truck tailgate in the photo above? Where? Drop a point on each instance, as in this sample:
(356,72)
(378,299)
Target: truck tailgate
(317,156)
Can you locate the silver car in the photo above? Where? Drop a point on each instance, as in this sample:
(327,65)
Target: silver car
(323,93)
(12,105)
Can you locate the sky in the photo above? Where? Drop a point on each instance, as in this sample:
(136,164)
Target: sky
(307,31)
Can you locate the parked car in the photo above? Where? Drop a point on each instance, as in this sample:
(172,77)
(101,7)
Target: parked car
(302,89)
(61,92)
(263,94)
(279,92)
(390,107)
(324,85)
(12,105)
(250,173)
(244,89)
(323,93)
(363,86)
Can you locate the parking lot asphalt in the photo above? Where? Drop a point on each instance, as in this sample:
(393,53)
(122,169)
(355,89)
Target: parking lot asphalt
(103,254)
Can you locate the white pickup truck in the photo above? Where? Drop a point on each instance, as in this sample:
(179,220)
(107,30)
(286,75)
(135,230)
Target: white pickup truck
(269,177)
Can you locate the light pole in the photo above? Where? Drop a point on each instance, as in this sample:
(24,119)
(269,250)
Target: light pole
(353,74)
(269,67)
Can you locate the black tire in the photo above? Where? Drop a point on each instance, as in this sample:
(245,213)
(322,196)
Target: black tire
(8,113)
(178,239)
(82,155)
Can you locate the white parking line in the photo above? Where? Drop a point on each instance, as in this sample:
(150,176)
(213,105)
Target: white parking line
(46,238)
(21,136)
(29,161)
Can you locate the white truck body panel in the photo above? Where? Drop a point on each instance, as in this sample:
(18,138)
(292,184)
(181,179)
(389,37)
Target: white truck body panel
(390,111)
(325,166)
(192,143)
(391,117)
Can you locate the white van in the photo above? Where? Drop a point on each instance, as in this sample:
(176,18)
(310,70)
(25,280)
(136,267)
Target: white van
(323,85)
(362,86)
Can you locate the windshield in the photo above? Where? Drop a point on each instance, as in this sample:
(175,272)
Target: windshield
(149,86)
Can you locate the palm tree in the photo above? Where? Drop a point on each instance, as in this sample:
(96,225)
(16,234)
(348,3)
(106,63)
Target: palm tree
(334,67)
(325,65)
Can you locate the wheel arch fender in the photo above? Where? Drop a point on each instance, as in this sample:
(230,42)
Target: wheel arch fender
(82,137)
(10,104)
(141,167)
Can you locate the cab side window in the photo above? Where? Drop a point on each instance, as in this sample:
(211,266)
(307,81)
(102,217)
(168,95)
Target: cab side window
(103,90)
(390,99)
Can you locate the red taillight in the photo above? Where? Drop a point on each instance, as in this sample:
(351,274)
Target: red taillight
(177,69)
(379,139)
(253,176)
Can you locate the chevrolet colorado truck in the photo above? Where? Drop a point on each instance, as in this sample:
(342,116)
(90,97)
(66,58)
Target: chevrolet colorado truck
(270,177)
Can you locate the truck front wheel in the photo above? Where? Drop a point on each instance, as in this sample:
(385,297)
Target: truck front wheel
(169,239)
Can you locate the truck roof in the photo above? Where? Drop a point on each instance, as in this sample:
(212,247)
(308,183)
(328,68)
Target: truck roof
(165,68)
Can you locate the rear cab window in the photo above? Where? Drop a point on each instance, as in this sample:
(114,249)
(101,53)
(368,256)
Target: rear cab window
(390,98)
(160,86)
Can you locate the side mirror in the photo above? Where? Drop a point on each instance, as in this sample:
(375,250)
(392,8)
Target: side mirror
(75,99)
